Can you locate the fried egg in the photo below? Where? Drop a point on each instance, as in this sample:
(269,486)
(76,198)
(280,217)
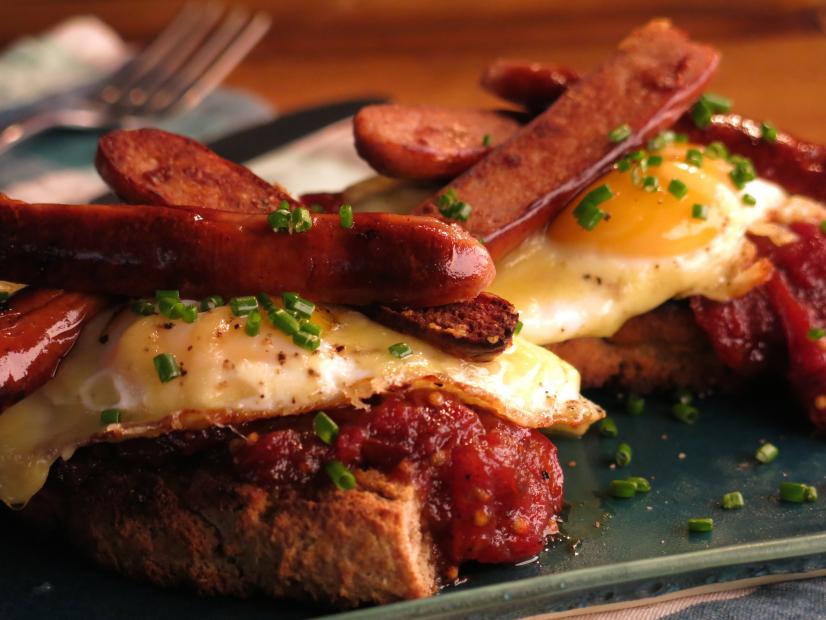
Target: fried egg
(228,377)
(569,282)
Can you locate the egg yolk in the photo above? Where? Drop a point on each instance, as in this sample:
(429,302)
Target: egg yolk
(640,222)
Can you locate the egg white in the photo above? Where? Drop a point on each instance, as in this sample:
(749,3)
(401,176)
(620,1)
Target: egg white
(230,377)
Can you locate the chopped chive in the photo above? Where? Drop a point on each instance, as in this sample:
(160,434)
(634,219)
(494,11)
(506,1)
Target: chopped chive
(768,132)
(700,524)
(622,489)
(694,157)
(306,341)
(634,404)
(301,220)
(400,350)
(308,327)
(716,150)
(636,156)
(717,103)
(623,165)
(486,140)
(699,212)
(294,301)
(650,184)
(167,306)
(167,367)
(701,114)
(587,212)
(284,205)
(620,133)
(794,492)
(284,321)
(242,306)
(188,313)
(655,160)
(325,428)
(706,106)
(518,328)
(733,500)
(815,333)
(677,188)
(823,226)
(266,302)
(316,208)
(685,413)
(811,494)
(451,207)
(170,294)
(279,220)
(743,171)
(642,484)
(345,216)
(341,476)
(211,302)
(622,457)
(144,307)
(680,138)
(608,428)
(661,140)
(766,453)
(749,200)
(253,325)
(110,416)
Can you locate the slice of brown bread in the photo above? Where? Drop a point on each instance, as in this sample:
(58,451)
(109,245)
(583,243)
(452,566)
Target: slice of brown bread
(199,527)
(657,351)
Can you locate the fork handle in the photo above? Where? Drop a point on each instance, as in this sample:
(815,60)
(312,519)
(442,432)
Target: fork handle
(42,121)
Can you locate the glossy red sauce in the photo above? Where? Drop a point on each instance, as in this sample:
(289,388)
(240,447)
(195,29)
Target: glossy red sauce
(489,489)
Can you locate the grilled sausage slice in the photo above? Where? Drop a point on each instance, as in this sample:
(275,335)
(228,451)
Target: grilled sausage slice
(126,250)
(530,84)
(652,78)
(424,143)
(157,167)
(38,328)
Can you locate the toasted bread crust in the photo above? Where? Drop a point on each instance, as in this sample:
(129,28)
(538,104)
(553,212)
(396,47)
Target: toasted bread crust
(201,528)
(661,350)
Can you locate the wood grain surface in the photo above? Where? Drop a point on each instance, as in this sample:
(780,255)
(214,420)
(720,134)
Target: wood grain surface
(774,52)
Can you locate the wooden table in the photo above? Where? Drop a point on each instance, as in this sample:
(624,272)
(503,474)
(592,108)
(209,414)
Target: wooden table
(774,51)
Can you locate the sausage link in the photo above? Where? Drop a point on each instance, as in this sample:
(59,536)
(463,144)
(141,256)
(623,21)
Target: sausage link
(654,76)
(133,251)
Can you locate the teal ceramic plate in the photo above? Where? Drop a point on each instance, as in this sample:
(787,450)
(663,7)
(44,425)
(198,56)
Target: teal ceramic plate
(613,550)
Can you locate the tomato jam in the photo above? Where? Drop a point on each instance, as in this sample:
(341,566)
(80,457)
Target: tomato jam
(489,489)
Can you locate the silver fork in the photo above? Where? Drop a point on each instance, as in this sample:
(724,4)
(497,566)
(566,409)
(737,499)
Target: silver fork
(180,67)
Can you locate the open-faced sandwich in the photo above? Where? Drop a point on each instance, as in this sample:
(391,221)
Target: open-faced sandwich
(652,251)
(353,434)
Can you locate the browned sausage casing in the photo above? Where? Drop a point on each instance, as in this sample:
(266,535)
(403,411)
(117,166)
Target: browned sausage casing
(652,78)
(133,251)
(529,84)
(37,329)
(150,166)
(427,142)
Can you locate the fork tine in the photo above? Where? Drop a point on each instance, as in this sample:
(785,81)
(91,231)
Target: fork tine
(111,91)
(223,64)
(167,63)
(198,63)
